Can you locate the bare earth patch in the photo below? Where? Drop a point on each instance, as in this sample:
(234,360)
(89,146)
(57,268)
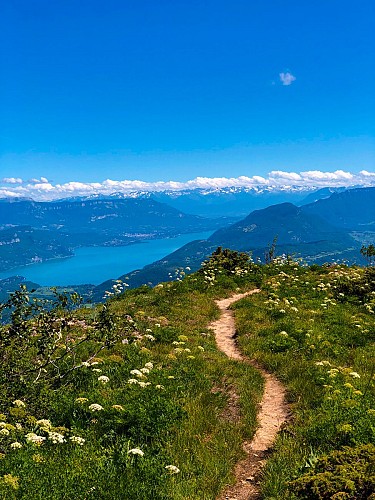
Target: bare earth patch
(273,411)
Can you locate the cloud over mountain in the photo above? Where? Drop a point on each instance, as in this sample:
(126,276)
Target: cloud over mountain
(42,189)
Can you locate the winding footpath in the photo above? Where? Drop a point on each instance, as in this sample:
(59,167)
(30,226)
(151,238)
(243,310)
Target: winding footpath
(273,409)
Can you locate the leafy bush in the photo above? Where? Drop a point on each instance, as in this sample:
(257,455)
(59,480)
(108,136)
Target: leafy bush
(345,474)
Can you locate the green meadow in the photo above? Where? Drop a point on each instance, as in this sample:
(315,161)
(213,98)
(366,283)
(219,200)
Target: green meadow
(127,400)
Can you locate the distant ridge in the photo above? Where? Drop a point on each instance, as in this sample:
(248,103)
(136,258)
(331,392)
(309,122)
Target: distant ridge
(308,231)
(353,209)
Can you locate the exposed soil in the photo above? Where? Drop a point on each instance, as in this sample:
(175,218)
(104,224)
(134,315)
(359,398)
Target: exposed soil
(273,410)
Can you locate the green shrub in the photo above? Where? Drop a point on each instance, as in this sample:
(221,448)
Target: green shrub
(345,474)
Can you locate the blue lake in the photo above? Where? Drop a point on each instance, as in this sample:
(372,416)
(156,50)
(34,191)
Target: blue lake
(97,264)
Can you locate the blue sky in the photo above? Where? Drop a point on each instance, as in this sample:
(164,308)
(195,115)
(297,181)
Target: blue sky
(172,90)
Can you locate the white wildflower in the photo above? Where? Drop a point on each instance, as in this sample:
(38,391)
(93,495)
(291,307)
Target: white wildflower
(44,424)
(144,384)
(136,451)
(56,437)
(81,400)
(16,445)
(19,403)
(33,438)
(118,407)
(95,407)
(149,337)
(103,379)
(172,469)
(132,381)
(77,440)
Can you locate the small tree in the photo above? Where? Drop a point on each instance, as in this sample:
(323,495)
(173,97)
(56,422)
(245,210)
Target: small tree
(270,253)
(368,253)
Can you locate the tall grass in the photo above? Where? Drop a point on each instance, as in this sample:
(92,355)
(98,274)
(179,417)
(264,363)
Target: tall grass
(144,417)
(315,329)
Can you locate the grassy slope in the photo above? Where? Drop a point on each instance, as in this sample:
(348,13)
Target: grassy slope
(311,329)
(180,423)
(309,325)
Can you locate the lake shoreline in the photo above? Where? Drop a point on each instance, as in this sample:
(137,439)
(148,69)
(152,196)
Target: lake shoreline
(92,265)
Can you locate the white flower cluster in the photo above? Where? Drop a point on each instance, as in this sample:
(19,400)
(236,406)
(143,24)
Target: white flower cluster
(77,440)
(141,374)
(33,438)
(172,469)
(19,403)
(95,407)
(56,437)
(136,451)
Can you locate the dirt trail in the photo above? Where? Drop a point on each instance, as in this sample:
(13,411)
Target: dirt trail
(273,411)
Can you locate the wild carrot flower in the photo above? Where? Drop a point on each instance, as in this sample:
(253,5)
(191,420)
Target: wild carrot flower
(136,451)
(95,407)
(56,437)
(33,438)
(118,407)
(149,365)
(149,337)
(19,403)
(81,400)
(132,381)
(16,445)
(77,440)
(172,469)
(103,379)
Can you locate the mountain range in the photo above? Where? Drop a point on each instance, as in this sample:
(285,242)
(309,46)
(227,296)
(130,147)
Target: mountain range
(324,226)
(308,232)
(234,202)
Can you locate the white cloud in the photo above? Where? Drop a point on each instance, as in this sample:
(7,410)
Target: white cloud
(287,78)
(12,180)
(367,174)
(290,176)
(42,180)
(39,189)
